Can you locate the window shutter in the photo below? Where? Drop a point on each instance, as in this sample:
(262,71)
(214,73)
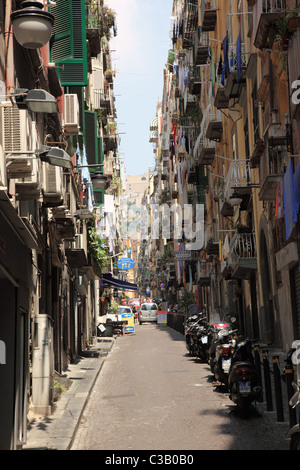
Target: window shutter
(91,138)
(68,42)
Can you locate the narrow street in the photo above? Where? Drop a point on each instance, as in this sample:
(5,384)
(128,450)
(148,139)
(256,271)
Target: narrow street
(151,395)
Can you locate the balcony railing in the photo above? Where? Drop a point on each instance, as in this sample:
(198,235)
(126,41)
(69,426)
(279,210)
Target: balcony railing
(238,178)
(201,47)
(265,16)
(270,173)
(243,258)
(208,15)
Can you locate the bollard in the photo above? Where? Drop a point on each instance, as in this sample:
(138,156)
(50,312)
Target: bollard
(257,362)
(289,374)
(267,376)
(278,390)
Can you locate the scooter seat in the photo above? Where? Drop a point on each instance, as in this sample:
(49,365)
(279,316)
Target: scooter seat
(241,364)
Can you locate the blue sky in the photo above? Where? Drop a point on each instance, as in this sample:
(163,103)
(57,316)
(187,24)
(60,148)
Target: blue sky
(139,53)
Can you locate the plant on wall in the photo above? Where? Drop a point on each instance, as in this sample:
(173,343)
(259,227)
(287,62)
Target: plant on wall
(96,249)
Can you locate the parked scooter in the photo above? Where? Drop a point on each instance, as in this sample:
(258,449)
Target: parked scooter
(191,326)
(202,340)
(243,380)
(225,346)
(218,323)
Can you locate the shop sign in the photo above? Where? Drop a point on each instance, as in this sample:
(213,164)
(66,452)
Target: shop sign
(125,263)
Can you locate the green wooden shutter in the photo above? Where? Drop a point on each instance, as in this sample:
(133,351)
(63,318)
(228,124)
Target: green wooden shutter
(91,138)
(68,42)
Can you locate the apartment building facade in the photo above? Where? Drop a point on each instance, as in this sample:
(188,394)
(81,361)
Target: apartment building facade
(227,138)
(58,156)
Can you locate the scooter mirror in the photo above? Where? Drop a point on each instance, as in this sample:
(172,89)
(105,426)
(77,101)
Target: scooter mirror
(233,319)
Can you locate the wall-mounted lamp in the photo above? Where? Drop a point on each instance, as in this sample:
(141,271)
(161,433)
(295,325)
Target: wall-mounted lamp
(235,199)
(32,26)
(36,100)
(40,101)
(55,156)
(99,180)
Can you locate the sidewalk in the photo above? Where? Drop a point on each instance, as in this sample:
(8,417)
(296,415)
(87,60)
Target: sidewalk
(56,432)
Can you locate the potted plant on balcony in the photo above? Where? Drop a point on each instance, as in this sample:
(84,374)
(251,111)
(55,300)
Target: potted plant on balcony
(96,250)
(240,228)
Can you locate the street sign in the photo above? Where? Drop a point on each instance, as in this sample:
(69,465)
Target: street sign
(183,255)
(125,263)
(129,318)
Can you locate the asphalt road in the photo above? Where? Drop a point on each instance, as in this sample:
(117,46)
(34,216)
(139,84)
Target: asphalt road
(151,395)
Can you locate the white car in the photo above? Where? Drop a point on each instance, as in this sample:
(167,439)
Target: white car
(148,312)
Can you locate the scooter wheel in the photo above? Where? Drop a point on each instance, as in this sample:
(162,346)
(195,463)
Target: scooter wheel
(295,442)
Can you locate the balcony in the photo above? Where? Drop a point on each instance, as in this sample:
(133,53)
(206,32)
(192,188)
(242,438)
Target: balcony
(270,173)
(236,79)
(265,16)
(201,48)
(211,244)
(190,20)
(77,252)
(190,101)
(205,149)
(221,99)
(204,273)
(195,80)
(257,153)
(238,179)
(214,129)
(208,15)
(93,23)
(243,258)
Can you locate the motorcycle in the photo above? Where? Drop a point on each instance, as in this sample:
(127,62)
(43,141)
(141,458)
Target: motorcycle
(243,380)
(202,340)
(225,345)
(191,333)
(218,323)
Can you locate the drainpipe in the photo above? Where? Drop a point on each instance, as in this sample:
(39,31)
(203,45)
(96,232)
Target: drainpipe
(9,56)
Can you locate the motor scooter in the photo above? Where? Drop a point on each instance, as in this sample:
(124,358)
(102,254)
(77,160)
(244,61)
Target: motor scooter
(243,379)
(219,322)
(191,333)
(225,346)
(202,340)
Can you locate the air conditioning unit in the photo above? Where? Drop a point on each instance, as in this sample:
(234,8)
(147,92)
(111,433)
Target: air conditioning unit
(29,187)
(16,134)
(71,114)
(53,189)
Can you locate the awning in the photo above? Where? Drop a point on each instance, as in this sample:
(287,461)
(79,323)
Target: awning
(110,281)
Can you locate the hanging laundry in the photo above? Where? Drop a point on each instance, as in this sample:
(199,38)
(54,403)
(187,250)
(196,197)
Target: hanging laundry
(225,46)
(239,57)
(220,66)
(279,202)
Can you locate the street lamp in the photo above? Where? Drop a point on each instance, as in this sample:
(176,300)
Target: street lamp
(32,26)
(40,101)
(99,180)
(235,199)
(55,156)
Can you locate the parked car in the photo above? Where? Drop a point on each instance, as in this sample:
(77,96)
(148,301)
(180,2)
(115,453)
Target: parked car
(124,309)
(148,312)
(135,305)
